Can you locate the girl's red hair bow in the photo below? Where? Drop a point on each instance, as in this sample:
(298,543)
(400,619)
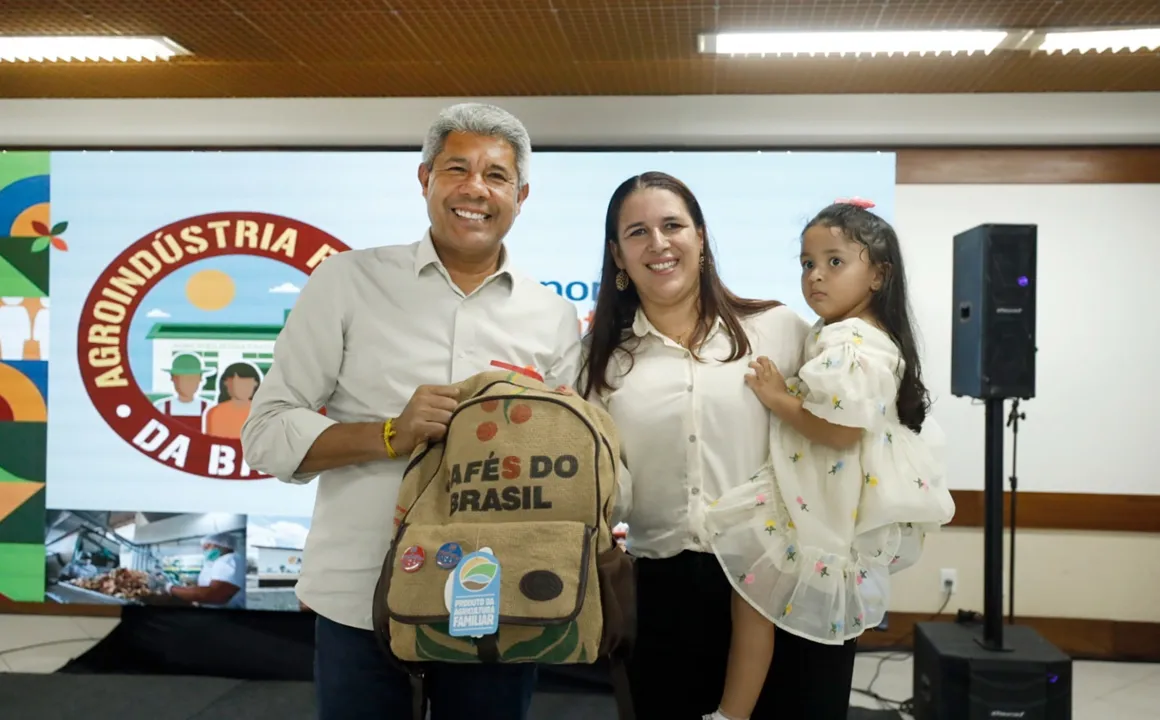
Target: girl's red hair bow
(856,202)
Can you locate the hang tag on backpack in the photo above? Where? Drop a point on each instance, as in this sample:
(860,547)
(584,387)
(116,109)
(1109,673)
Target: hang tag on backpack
(474,605)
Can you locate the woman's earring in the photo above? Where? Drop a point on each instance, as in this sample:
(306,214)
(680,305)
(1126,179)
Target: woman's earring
(621,280)
(701,264)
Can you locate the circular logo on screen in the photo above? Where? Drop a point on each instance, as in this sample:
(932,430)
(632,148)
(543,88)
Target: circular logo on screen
(178,332)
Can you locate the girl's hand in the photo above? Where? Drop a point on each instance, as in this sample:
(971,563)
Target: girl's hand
(767,383)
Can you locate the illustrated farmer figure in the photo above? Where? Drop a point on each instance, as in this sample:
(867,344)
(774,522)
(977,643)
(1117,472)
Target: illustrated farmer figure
(186,407)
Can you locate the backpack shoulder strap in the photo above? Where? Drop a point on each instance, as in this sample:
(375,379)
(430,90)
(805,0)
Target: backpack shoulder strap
(417,477)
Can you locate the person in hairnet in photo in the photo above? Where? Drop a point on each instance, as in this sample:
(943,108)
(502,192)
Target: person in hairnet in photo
(222,582)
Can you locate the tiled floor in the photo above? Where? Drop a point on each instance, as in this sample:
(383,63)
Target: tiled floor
(54,640)
(1102,691)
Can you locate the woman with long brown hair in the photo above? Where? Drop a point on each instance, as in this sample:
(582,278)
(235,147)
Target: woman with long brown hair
(237,386)
(667,354)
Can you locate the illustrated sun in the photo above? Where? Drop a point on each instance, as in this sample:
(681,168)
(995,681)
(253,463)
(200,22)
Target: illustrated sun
(22,225)
(210,290)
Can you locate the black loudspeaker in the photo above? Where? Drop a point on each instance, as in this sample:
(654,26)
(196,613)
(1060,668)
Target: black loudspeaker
(956,678)
(993,336)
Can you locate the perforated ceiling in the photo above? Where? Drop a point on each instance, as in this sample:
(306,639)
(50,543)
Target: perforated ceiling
(295,48)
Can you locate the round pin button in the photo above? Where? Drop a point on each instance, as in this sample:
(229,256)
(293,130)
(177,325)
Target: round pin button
(413,558)
(449,555)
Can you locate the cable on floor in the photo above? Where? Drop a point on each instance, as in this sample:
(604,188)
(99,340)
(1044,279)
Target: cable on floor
(905,706)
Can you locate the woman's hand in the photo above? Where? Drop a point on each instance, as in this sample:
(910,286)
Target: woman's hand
(767,382)
(565,390)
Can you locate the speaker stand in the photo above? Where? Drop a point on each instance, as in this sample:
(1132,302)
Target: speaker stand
(1013,419)
(993,529)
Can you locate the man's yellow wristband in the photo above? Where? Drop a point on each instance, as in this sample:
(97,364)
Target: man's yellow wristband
(388,433)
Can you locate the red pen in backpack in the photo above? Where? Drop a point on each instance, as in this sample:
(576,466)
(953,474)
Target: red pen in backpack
(529,371)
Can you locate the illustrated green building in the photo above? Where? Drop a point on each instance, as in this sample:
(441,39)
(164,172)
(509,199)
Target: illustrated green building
(218,345)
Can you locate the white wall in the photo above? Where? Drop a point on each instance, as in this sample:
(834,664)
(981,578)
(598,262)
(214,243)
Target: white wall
(748,120)
(1091,428)
(1066,574)
(1092,425)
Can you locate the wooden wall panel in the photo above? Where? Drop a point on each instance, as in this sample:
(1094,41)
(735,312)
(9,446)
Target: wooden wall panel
(9,607)
(1028,166)
(1065,511)
(1081,638)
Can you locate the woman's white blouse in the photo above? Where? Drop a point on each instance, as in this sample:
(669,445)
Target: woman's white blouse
(690,430)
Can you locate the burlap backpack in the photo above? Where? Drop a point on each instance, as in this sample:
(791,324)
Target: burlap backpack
(530,474)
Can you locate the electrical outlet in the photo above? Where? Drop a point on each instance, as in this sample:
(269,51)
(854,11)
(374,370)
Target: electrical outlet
(949,580)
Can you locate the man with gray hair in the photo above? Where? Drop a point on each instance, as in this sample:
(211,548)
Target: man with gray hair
(377,337)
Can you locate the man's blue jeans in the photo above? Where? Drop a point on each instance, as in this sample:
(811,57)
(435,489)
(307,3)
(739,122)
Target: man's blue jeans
(353,680)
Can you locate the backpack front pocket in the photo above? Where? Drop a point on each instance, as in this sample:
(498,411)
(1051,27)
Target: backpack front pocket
(544,570)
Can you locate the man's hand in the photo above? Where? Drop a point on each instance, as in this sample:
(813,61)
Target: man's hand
(425,417)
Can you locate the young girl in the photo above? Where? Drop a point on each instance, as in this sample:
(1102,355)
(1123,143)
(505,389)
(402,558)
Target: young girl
(853,482)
